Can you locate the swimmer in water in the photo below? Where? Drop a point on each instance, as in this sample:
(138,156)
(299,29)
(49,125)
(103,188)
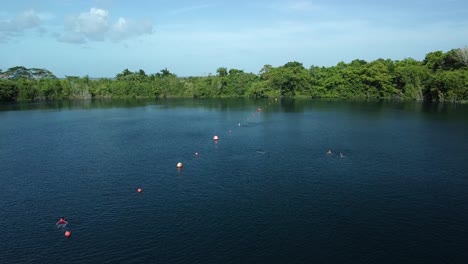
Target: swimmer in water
(62,221)
(329,152)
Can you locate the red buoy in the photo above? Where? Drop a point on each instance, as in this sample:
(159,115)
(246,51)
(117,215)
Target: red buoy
(259,109)
(67,233)
(139,190)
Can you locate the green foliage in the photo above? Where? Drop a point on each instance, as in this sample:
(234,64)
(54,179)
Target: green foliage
(409,76)
(261,89)
(8,90)
(289,79)
(449,86)
(439,77)
(20,72)
(222,72)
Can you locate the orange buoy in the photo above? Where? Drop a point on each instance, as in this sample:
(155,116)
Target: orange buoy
(215,138)
(179,165)
(67,233)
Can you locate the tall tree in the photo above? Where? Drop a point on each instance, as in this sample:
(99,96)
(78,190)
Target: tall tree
(462,55)
(222,71)
(434,60)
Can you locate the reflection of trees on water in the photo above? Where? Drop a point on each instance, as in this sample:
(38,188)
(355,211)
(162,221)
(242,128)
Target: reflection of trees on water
(272,105)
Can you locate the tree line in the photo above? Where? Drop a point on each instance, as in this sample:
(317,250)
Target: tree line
(441,76)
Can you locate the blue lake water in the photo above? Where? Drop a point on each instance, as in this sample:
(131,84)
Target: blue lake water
(266,192)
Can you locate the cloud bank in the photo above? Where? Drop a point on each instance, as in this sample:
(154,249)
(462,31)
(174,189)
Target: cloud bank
(96,25)
(10,28)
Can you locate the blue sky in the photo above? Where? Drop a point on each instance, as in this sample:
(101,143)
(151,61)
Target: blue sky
(100,38)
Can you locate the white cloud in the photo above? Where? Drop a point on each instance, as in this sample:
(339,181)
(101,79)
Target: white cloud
(96,25)
(27,19)
(91,25)
(125,28)
(13,27)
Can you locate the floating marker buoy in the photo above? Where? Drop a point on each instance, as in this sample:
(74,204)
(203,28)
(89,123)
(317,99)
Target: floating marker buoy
(259,109)
(67,233)
(139,190)
(215,138)
(179,165)
(196,153)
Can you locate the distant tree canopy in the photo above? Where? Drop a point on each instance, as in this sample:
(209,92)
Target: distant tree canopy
(19,72)
(441,76)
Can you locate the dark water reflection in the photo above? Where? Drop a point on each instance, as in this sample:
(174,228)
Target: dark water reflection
(267,192)
(281,104)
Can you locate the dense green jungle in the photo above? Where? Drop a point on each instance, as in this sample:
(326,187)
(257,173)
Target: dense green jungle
(440,77)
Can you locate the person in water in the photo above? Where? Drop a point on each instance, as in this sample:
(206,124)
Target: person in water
(62,221)
(329,152)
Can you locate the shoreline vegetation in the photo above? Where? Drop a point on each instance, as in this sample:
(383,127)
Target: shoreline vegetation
(440,77)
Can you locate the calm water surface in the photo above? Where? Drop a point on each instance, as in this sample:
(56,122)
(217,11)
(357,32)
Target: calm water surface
(267,192)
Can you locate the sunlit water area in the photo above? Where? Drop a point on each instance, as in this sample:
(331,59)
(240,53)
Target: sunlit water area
(393,189)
